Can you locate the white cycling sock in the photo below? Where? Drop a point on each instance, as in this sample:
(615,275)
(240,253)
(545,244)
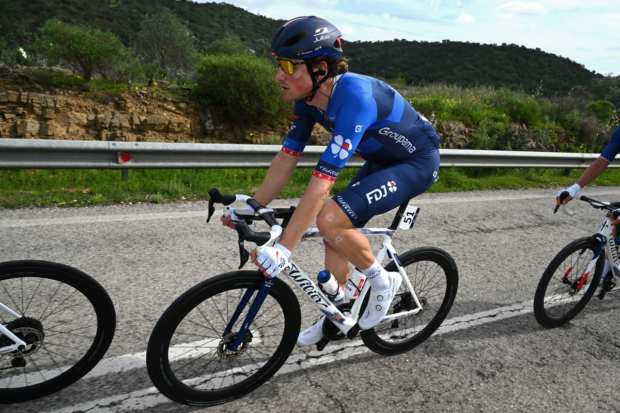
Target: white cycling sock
(377,277)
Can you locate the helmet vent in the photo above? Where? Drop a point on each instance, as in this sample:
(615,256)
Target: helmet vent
(295,39)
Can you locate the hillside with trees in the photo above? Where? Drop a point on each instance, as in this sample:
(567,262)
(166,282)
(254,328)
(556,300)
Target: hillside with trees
(416,63)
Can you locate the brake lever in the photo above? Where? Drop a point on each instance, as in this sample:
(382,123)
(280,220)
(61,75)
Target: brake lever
(244,255)
(563,196)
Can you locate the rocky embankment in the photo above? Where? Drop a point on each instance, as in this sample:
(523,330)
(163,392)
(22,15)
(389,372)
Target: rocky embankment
(163,113)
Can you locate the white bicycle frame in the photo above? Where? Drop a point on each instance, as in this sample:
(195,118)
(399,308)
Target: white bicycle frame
(3,330)
(343,322)
(605,234)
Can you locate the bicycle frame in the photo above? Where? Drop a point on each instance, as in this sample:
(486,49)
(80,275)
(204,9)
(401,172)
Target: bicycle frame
(608,244)
(345,323)
(3,330)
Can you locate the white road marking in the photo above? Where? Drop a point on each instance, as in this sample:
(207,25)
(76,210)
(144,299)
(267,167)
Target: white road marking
(150,397)
(121,364)
(13,223)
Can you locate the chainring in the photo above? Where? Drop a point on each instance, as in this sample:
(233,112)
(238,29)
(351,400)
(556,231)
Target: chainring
(330,331)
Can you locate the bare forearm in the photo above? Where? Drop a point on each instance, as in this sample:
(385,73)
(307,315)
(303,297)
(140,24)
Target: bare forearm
(307,210)
(594,171)
(277,177)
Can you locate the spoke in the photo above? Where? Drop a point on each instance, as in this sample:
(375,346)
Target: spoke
(34,294)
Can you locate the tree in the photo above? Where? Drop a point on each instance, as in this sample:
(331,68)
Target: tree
(165,45)
(82,48)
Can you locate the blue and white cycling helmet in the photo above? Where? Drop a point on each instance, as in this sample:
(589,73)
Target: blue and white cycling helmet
(304,38)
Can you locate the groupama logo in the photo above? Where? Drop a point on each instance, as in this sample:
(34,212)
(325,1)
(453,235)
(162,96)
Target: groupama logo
(340,147)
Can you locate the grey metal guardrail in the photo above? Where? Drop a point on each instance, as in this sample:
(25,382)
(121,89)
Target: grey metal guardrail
(57,154)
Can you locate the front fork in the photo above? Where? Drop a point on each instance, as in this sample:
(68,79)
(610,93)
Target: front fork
(590,267)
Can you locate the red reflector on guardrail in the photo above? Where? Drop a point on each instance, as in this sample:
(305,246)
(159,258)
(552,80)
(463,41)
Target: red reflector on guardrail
(125,157)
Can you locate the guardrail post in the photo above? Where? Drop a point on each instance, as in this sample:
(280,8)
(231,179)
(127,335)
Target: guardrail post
(567,172)
(125,175)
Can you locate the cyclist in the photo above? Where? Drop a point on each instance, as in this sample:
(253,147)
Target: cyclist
(589,175)
(365,116)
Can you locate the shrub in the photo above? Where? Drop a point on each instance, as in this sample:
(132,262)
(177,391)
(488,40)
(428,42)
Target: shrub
(521,109)
(512,139)
(165,45)
(83,48)
(229,45)
(243,86)
(602,109)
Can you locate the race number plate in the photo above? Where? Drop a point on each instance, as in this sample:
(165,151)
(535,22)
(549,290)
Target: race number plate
(408,219)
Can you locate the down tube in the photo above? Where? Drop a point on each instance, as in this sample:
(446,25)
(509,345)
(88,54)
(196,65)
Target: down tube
(315,295)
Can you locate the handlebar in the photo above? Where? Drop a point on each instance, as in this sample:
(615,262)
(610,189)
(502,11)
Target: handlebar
(244,231)
(609,206)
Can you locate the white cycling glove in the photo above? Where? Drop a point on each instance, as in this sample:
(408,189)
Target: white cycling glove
(572,191)
(273,259)
(235,218)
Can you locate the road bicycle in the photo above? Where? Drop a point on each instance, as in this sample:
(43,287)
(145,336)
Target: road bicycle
(228,335)
(572,277)
(56,323)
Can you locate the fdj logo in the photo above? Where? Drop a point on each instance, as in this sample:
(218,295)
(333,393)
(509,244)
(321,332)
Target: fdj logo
(377,194)
(340,148)
(358,128)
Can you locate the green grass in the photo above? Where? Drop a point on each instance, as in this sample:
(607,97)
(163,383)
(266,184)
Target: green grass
(36,188)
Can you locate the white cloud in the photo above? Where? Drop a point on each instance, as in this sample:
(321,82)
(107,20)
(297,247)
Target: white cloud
(346,30)
(525,9)
(465,18)
(505,16)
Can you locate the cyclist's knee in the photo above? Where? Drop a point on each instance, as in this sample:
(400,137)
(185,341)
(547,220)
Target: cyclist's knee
(331,221)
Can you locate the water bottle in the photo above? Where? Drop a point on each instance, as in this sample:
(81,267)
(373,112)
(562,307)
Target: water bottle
(331,286)
(355,284)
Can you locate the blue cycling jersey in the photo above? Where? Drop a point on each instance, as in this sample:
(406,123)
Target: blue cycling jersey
(613,147)
(365,116)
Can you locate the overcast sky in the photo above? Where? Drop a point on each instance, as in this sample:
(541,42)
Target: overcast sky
(584,31)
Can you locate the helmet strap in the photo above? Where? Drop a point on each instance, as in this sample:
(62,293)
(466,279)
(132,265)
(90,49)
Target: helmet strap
(315,84)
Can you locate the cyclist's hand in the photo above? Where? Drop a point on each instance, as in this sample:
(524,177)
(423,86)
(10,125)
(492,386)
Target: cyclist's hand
(572,191)
(227,222)
(271,260)
(230,220)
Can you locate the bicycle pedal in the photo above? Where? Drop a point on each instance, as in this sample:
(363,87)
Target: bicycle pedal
(321,344)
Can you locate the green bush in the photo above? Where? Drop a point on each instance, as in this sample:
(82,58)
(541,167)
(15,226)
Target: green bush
(230,45)
(244,88)
(520,109)
(83,48)
(512,139)
(602,109)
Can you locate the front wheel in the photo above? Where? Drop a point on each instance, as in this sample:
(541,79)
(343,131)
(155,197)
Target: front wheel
(67,320)
(434,278)
(189,356)
(559,296)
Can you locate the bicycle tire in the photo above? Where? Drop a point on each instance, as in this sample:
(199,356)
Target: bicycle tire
(198,315)
(434,277)
(77,320)
(562,304)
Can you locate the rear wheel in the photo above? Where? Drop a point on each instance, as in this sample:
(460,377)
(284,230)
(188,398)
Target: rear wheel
(434,278)
(559,297)
(189,356)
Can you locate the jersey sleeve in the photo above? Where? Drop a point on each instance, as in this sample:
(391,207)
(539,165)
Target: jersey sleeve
(300,131)
(612,148)
(354,117)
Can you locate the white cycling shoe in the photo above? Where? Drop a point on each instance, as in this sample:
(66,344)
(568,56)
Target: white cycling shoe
(379,303)
(311,335)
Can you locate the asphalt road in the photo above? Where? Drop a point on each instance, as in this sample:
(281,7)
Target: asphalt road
(490,356)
